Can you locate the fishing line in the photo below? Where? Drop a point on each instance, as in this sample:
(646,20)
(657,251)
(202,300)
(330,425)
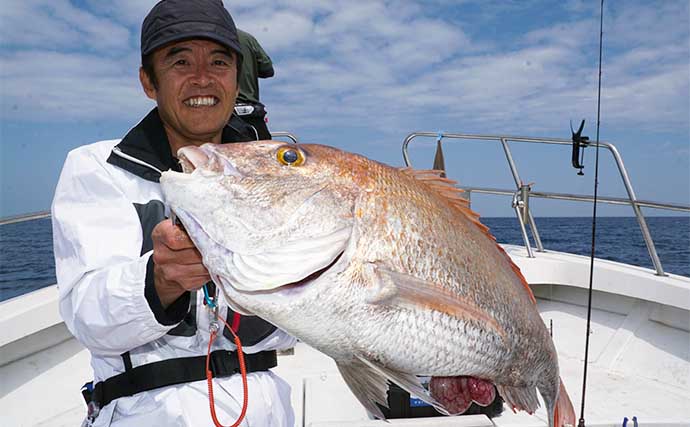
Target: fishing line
(581,422)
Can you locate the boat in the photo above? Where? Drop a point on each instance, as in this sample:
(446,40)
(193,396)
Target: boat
(638,368)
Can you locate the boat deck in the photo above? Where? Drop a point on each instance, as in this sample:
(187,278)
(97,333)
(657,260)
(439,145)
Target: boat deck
(639,355)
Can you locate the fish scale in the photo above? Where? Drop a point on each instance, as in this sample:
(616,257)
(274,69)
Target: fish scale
(400,279)
(435,342)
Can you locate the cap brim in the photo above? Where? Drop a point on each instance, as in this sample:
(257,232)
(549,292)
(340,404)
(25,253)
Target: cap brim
(195,30)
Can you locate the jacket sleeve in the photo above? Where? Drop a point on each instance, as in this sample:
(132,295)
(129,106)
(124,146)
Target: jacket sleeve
(263,61)
(101,273)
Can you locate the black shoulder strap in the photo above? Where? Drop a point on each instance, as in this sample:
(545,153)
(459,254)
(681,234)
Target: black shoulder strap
(252,329)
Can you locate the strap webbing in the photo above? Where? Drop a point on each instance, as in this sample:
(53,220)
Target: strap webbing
(176,371)
(127,361)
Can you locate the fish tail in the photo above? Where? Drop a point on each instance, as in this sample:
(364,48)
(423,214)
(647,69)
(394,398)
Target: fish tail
(563,414)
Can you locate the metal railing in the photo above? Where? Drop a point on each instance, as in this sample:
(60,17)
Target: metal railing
(522,193)
(24,217)
(281,134)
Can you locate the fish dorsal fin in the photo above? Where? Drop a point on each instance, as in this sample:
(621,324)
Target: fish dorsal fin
(446,188)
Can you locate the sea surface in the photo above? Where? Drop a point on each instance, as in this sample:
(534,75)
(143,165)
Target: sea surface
(26,249)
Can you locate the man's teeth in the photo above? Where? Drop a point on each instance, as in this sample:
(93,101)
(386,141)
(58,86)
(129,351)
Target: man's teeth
(201,101)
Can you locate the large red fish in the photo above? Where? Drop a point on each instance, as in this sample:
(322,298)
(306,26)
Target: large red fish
(385,270)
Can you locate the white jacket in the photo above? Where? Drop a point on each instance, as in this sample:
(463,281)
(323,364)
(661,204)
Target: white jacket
(106,203)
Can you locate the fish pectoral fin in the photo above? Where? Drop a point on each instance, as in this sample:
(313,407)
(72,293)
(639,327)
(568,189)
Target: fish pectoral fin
(393,287)
(383,289)
(520,398)
(408,382)
(369,384)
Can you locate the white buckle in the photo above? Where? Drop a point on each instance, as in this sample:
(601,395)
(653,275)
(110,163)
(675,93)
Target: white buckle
(244,110)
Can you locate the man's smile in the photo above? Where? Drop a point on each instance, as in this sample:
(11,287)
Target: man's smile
(201,101)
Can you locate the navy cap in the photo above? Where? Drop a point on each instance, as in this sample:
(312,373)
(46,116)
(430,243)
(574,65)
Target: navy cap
(175,20)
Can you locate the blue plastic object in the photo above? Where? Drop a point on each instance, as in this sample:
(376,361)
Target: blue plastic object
(208,299)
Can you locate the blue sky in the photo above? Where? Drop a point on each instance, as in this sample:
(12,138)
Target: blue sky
(361,75)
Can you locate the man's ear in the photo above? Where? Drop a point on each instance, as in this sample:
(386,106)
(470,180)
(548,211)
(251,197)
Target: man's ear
(146,83)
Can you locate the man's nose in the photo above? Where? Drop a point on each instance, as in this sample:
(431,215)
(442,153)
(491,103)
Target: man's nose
(202,75)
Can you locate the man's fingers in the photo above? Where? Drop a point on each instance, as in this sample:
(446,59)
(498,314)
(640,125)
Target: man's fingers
(165,255)
(180,239)
(176,258)
(194,283)
(177,238)
(172,236)
(181,273)
(192,270)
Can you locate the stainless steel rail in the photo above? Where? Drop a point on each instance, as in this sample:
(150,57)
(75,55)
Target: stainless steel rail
(518,196)
(25,217)
(579,198)
(281,134)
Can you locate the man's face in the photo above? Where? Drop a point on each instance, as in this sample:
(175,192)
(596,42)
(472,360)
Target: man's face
(197,87)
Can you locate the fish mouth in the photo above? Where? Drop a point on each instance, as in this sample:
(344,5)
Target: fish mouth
(206,161)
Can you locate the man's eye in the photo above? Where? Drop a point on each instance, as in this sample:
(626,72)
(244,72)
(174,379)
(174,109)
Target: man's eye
(181,62)
(220,63)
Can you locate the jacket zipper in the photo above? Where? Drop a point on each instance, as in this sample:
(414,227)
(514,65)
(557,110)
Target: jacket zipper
(119,153)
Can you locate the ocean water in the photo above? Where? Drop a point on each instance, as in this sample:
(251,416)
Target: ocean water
(26,249)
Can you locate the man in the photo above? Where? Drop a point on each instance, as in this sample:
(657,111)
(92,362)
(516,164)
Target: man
(256,64)
(129,278)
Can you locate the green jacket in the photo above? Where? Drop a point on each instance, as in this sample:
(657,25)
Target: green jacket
(255,64)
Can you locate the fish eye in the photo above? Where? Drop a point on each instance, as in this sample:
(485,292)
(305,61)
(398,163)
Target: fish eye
(290,156)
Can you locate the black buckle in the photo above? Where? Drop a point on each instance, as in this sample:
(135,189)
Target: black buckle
(87,392)
(224,363)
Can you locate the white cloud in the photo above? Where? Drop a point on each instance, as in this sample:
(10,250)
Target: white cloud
(53,86)
(647,24)
(361,75)
(574,35)
(129,12)
(57,24)
(662,97)
(278,30)
(372,63)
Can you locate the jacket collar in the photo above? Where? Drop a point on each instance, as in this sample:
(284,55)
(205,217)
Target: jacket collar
(148,143)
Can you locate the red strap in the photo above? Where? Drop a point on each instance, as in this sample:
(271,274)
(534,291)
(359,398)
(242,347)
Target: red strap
(236,322)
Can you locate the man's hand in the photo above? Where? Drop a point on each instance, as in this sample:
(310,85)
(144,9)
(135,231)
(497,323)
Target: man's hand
(177,263)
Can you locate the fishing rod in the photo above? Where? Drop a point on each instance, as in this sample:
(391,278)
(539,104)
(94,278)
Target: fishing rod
(581,422)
